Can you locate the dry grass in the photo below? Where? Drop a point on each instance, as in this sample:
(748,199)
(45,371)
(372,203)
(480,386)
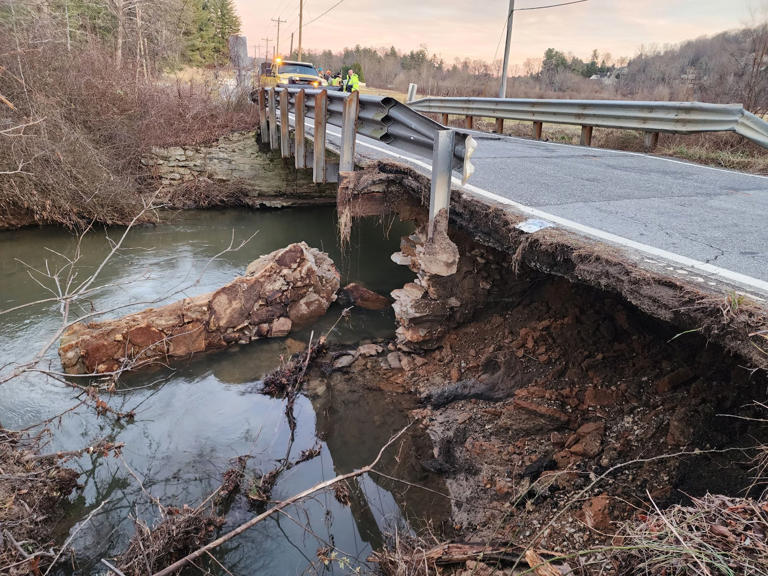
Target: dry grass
(31,488)
(74,128)
(714,535)
(180,531)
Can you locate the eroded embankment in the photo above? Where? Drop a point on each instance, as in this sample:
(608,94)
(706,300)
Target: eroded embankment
(567,390)
(720,314)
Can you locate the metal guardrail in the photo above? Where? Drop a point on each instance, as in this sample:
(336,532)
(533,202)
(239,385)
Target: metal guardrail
(387,120)
(649,117)
(378,117)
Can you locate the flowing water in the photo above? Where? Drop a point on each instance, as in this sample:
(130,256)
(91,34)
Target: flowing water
(194,417)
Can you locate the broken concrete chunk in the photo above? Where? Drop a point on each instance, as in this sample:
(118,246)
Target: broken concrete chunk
(280,327)
(369,350)
(360,296)
(308,309)
(393,359)
(289,287)
(401,259)
(343,362)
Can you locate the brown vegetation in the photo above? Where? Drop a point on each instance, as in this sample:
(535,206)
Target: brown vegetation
(76,123)
(33,486)
(714,534)
(180,531)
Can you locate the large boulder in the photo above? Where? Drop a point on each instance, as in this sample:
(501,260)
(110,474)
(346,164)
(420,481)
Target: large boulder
(288,288)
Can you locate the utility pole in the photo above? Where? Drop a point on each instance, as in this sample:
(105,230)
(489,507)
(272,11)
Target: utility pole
(277,47)
(301,21)
(291,50)
(505,66)
(266,50)
(69,39)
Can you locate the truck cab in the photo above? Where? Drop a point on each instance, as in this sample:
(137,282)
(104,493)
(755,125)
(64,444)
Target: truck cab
(289,72)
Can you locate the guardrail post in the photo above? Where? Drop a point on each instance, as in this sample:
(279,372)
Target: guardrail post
(264,125)
(469,122)
(273,143)
(299,131)
(321,111)
(537,127)
(349,132)
(440,192)
(499,125)
(285,126)
(650,140)
(411,93)
(586,136)
(445,119)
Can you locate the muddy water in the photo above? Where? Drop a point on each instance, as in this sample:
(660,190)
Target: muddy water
(194,417)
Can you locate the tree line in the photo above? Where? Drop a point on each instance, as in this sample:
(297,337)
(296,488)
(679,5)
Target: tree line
(729,67)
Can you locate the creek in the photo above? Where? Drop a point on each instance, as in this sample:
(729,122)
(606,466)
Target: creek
(194,417)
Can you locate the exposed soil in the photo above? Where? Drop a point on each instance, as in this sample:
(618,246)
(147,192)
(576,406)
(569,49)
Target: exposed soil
(557,414)
(568,388)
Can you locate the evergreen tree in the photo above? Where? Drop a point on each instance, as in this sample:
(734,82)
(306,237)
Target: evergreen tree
(225,23)
(210,23)
(198,33)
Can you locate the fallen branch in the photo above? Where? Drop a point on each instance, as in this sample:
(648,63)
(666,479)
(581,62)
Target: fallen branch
(278,507)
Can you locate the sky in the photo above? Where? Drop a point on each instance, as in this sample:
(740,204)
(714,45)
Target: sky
(474,28)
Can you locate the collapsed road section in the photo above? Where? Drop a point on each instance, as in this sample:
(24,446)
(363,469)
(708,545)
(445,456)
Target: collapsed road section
(576,397)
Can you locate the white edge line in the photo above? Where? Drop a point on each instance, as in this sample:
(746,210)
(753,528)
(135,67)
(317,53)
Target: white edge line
(724,273)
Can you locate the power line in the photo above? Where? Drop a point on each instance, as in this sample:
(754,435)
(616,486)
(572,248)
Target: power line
(498,44)
(504,27)
(283,6)
(334,6)
(279,11)
(508,28)
(302,8)
(550,5)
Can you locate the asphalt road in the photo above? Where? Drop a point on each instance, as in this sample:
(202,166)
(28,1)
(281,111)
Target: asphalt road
(716,216)
(685,213)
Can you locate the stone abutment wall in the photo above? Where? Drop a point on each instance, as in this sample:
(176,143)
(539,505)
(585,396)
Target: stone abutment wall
(237,160)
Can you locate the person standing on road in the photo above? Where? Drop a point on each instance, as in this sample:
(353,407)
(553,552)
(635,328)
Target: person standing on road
(351,82)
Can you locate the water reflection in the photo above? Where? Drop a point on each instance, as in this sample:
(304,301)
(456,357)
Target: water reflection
(193,419)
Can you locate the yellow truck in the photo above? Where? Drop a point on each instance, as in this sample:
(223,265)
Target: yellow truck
(289,72)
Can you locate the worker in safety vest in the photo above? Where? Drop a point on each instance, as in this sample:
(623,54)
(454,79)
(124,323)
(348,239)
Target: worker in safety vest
(351,82)
(336,80)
